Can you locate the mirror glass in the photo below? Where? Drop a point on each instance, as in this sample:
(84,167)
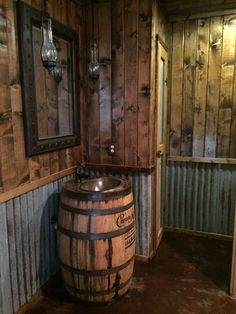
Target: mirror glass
(50,101)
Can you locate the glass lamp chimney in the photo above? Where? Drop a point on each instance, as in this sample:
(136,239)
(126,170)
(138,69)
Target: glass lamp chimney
(94,66)
(57,71)
(48,49)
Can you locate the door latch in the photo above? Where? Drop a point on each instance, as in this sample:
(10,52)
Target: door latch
(159,153)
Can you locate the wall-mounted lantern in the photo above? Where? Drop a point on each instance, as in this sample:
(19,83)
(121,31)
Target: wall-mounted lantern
(94,66)
(48,48)
(57,70)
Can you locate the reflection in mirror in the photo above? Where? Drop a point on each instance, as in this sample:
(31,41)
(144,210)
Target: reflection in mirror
(53,97)
(49,97)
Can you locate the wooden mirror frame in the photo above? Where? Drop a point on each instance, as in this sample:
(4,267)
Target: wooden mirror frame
(27,18)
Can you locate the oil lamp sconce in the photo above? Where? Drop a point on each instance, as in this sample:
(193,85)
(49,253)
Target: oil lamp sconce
(94,65)
(50,54)
(48,48)
(57,71)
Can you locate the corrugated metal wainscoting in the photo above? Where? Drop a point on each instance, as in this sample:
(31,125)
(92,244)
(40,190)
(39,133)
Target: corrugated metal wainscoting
(27,239)
(27,244)
(201,196)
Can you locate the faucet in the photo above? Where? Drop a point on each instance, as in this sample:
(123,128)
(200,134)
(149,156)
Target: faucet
(80,172)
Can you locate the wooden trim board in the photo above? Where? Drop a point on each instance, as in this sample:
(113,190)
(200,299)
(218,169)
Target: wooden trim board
(34,185)
(199,233)
(118,168)
(231,161)
(142,258)
(232,289)
(201,15)
(33,300)
(160,235)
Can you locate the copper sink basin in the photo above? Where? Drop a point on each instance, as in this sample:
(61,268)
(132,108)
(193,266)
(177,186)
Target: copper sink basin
(102,184)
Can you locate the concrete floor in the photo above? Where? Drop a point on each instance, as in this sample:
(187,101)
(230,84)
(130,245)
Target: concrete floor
(189,275)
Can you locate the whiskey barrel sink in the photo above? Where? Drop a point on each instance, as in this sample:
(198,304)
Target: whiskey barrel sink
(96,238)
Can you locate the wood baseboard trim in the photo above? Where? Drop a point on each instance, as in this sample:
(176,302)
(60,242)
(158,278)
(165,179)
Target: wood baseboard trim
(6,196)
(38,295)
(142,258)
(25,308)
(232,290)
(199,233)
(159,237)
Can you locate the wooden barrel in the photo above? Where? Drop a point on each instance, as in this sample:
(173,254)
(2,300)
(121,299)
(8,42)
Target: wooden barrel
(96,240)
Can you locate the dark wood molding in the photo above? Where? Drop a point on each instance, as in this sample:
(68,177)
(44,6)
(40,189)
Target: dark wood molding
(232,290)
(199,233)
(192,9)
(162,42)
(211,160)
(25,188)
(121,168)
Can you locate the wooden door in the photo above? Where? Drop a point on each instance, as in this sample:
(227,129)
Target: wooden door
(161,98)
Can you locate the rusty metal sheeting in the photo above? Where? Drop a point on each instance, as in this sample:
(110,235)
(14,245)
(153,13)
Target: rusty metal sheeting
(201,196)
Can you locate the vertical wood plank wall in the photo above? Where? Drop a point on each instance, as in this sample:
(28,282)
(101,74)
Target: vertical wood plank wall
(15,167)
(28,249)
(202,115)
(120,106)
(202,121)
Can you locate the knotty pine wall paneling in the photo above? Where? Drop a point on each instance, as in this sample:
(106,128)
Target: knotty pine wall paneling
(203,89)
(119,106)
(153,106)
(15,167)
(213,86)
(176,90)
(202,55)
(99,92)
(131,82)
(117,78)
(8,83)
(104,18)
(144,83)
(188,86)
(227,85)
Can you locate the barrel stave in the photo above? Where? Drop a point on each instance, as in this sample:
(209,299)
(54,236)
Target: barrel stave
(96,246)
